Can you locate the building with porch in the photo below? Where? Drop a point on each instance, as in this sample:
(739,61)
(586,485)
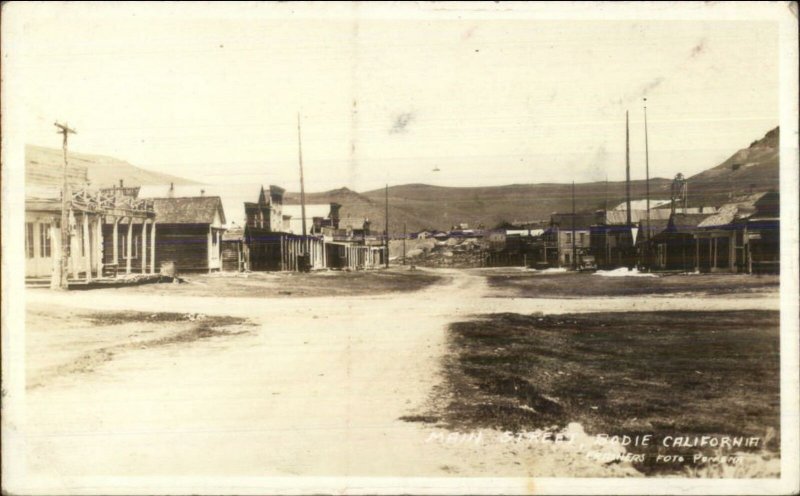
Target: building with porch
(87,211)
(743,236)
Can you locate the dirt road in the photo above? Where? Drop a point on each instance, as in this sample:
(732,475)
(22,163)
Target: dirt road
(316,389)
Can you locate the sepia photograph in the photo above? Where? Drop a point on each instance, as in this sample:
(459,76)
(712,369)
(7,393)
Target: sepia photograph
(400,248)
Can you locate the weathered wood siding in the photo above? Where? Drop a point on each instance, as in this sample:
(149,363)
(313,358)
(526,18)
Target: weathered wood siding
(264,249)
(185,245)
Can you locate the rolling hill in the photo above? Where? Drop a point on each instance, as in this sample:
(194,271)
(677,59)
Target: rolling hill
(423,206)
(103,171)
(750,170)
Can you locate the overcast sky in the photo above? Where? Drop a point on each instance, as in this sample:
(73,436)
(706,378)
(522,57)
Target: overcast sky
(486,101)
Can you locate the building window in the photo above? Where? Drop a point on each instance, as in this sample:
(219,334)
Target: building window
(582,239)
(569,238)
(29,240)
(44,240)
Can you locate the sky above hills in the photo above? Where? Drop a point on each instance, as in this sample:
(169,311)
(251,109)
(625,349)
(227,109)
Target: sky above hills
(212,94)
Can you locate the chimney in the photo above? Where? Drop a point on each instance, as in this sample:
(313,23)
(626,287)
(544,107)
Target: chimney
(334,215)
(120,184)
(367,225)
(171,190)
(202,192)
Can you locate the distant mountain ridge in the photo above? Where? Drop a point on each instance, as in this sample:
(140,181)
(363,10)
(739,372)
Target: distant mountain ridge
(750,170)
(103,171)
(423,206)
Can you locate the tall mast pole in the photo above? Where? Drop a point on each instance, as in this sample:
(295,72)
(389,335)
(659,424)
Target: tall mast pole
(386,228)
(647,169)
(302,184)
(574,241)
(62,282)
(627,171)
(628,190)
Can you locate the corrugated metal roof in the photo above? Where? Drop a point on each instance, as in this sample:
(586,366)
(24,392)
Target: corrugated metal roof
(620,217)
(641,205)
(739,208)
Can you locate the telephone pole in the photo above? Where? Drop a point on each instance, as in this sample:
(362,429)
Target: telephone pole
(630,250)
(61,282)
(647,168)
(302,189)
(386,229)
(627,172)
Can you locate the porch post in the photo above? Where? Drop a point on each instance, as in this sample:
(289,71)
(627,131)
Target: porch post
(99,245)
(87,248)
(153,247)
(74,245)
(115,240)
(697,253)
(208,258)
(129,246)
(714,245)
(144,246)
(55,240)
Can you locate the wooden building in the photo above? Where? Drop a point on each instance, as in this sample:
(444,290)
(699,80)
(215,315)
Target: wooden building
(560,235)
(189,232)
(233,256)
(743,236)
(265,244)
(89,210)
(674,247)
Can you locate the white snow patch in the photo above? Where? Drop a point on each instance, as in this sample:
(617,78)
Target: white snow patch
(552,270)
(623,272)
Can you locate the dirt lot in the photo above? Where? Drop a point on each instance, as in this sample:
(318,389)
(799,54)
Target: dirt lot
(314,386)
(81,341)
(533,284)
(637,373)
(291,284)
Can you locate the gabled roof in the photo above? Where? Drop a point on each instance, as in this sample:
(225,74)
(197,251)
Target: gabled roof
(188,210)
(739,208)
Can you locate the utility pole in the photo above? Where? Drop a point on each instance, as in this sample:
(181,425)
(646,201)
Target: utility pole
(630,250)
(62,283)
(627,171)
(302,189)
(386,229)
(647,169)
(574,241)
